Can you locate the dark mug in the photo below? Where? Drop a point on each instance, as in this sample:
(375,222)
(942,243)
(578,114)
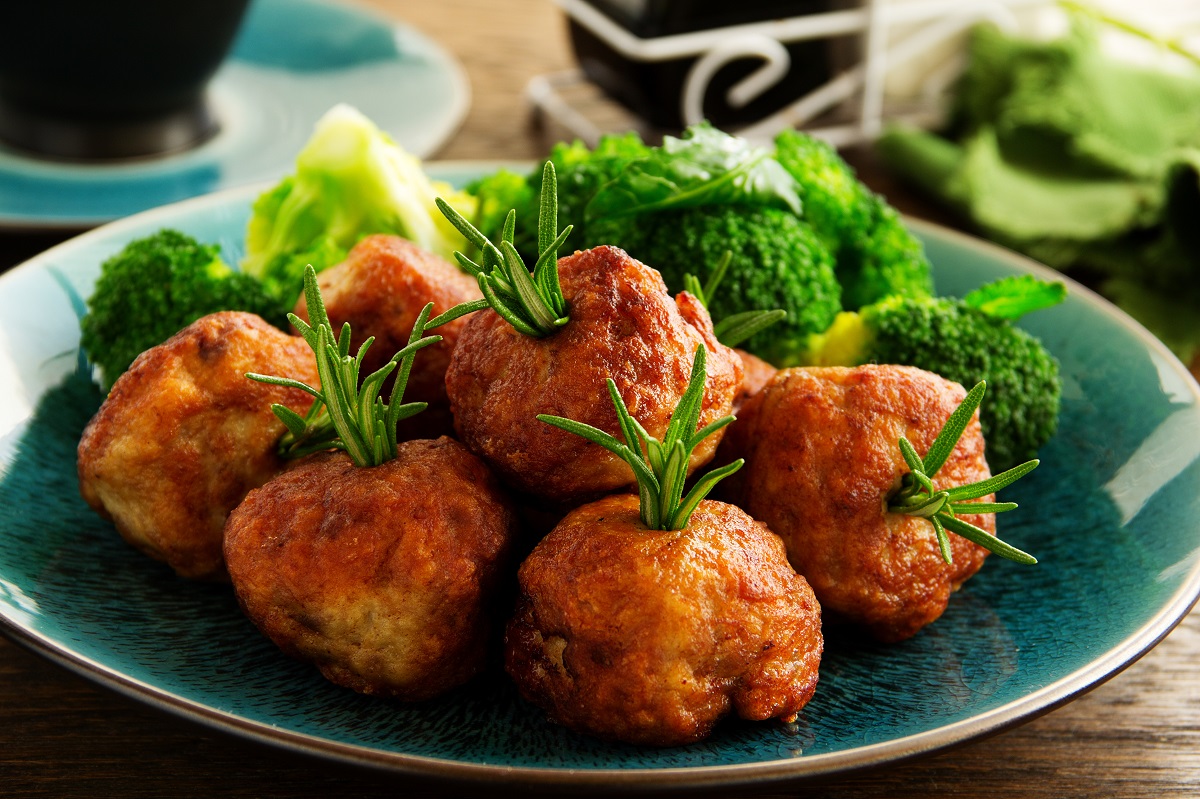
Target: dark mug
(102,79)
(653,89)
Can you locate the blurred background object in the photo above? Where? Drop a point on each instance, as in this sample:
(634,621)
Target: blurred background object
(106,109)
(609,38)
(119,79)
(1081,149)
(1068,131)
(836,68)
(839,69)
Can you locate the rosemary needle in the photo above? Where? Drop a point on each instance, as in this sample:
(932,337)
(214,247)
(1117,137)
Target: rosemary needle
(345,415)
(531,303)
(660,467)
(916,496)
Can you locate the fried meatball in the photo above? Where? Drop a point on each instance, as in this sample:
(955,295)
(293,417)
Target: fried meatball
(651,636)
(625,326)
(380,290)
(756,374)
(386,578)
(822,454)
(183,435)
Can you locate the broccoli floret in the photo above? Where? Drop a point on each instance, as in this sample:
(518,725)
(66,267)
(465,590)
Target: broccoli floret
(890,262)
(876,255)
(580,173)
(499,192)
(965,343)
(847,233)
(777,262)
(835,203)
(154,288)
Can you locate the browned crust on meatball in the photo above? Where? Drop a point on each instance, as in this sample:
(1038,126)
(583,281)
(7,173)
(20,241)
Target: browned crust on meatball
(651,636)
(183,435)
(385,578)
(625,326)
(822,453)
(756,374)
(380,290)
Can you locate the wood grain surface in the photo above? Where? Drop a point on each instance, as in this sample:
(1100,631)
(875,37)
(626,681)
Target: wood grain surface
(61,736)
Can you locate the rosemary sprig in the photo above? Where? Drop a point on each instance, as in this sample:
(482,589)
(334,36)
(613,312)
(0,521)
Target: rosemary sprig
(732,330)
(916,496)
(532,303)
(661,466)
(345,415)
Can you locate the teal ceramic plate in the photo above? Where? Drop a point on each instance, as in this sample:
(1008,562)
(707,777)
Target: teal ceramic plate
(1117,531)
(291,62)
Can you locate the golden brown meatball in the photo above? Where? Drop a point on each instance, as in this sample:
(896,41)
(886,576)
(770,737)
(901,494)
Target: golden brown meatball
(822,454)
(756,374)
(384,577)
(380,290)
(183,435)
(624,325)
(651,636)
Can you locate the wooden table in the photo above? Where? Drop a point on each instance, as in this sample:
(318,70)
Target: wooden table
(61,736)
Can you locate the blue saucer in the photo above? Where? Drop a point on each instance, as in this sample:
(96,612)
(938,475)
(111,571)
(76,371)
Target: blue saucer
(292,61)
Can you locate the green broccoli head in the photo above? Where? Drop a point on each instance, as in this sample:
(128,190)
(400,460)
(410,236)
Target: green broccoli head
(154,288)
(499,192)
(836,204)
(876,255)
(580,172)
(889,262)
(961,342)
(777,262)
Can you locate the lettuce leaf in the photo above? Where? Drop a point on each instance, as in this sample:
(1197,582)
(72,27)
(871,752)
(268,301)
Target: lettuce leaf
(351,180)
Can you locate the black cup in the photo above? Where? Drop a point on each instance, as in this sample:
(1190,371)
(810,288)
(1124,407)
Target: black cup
(652,90)
(110,79)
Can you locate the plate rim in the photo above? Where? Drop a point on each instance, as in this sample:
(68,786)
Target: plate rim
(778,771)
